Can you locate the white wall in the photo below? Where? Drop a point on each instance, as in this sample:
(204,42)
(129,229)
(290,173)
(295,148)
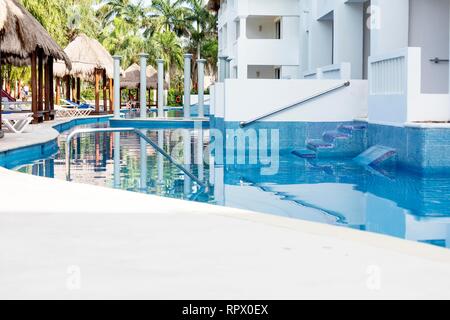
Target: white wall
(261,27)
(429,29)
(261,72)
(392,30)
(245,99)
(269,7)
(331,32)
(348,36)
(397,98)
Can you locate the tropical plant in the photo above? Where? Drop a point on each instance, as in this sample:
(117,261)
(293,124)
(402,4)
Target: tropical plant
(172,14)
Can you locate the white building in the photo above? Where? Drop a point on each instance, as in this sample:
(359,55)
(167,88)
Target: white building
(395,52)
(261,38)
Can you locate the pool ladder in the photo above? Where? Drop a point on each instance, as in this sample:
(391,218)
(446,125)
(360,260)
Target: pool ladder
(77,132)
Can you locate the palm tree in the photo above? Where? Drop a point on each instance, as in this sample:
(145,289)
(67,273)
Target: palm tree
(202,23)
(114,8)
(167,46)
(172,15)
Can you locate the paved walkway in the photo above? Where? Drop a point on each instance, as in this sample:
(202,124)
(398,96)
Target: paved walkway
(70,241)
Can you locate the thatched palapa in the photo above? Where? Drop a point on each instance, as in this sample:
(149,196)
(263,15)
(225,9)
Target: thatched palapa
(22,35)
(132,78)
(87,55)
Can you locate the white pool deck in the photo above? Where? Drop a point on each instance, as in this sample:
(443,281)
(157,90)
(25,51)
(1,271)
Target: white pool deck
(70,241)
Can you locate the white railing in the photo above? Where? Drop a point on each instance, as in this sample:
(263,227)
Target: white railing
(395,87)
(311,74)
(340,71)
(388,74)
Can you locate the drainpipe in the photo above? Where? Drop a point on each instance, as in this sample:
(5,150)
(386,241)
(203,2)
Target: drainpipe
(143,85)
(117,86)
(187,85)
(160,63)
(201,87)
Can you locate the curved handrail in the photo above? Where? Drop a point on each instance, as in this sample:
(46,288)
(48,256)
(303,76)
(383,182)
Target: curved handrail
(295,104)
(137,132)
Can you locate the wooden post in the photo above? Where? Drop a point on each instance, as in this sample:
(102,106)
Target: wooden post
(74,92)
(150,97)
(58,91)
(51,89)
(67,87)
(97,91)
(19,90)
(40,82)
(105,88)
(34,87)
(120,102)
(111,96)
(78,90)
(47,92)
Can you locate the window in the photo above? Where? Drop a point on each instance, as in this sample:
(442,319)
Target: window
(278,29)
(277,73)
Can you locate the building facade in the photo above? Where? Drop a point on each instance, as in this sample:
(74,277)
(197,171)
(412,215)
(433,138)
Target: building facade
(400,48)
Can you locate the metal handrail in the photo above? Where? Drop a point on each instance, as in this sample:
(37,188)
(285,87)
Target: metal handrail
(141,135)
(295,104)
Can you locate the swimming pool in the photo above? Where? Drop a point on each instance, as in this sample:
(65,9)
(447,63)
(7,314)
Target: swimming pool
(338,192)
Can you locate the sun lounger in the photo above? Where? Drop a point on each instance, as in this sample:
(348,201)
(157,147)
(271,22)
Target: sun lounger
(17,122)
(72,110)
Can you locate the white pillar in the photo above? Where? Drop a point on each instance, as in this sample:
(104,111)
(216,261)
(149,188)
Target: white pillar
(228,68)
(116,160)
(201,87)
(243,27)
(143,156)
(222,68)
(187,85)
(200,152)
(143,85)
(187,152)
(160,159)
(117,86)
(160,63)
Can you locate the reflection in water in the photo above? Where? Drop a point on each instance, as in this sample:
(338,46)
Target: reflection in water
(333,192)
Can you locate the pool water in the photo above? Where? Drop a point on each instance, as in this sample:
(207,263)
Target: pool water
(337,192)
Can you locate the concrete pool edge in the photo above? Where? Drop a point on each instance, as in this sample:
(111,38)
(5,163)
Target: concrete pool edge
(316,229)
(404,246)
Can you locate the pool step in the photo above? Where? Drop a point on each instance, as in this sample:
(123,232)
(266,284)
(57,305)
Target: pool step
(348,140)
(376,156)
(332,136)
(352,128)
(305,154)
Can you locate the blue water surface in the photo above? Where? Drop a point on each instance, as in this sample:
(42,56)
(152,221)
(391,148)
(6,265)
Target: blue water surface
(338,192)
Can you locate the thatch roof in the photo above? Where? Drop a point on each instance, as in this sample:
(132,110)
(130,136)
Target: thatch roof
(86,55)
(213,5)
(21,35)
(2,14)
(132,77)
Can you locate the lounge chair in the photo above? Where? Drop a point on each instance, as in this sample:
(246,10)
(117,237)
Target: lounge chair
(72,109)
(17,122)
